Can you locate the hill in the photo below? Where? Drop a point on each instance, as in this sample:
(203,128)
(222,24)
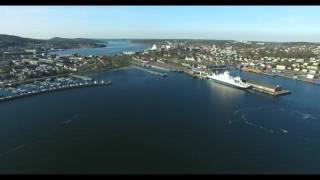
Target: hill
(9,41)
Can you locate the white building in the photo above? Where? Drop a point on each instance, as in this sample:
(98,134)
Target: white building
(281,67)
(154,47)
(189,58)
(310,76)
(300,60)
(312,67)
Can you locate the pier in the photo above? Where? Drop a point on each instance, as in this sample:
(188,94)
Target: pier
(266,88)
(84,78)
(150,71)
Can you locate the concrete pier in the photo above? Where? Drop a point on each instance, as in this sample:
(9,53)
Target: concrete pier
(149,71)
(84,78)
(266,88)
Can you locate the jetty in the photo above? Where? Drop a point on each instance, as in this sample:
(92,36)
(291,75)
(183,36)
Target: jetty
(150,71)
(84,78)
(266,88)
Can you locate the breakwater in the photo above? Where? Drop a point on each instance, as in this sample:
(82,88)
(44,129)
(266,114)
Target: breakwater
(59,88)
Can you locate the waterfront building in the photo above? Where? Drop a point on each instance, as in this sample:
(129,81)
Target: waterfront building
(310,76)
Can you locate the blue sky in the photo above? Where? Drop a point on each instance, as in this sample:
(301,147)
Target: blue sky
(265,23)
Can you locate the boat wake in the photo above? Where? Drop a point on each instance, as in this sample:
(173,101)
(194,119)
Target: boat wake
(305,116)
(19,147)
(69,120)
(242,115)
(284,131)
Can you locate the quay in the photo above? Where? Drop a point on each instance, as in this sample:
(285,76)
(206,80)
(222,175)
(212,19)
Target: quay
(150,71)
(160,68)
(266,88)
(84,78)
(59,88)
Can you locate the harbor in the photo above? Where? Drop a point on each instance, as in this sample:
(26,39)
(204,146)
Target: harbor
(246,84)
(237,82)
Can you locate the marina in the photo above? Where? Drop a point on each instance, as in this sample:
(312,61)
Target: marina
(37,88)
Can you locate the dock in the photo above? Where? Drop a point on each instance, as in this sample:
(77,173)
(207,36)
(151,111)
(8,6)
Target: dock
(266,88)
(150,71)
(84,78)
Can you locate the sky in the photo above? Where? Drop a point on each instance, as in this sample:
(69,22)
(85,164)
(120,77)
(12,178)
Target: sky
(253,23)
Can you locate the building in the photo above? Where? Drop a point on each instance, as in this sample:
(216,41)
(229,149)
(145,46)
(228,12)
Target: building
(33,62)
(186,65)
(310,76)
(46,61)
(190,58)
(300,60)
(312,71)
(154,47)
(312,67)
(280,67)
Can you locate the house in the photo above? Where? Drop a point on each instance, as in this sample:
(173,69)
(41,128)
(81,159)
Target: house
(190,58)
(280,67)
(186,65)
(312,67)
(300,60)
(312,71)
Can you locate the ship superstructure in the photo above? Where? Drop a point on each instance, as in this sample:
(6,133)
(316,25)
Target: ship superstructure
(227,79)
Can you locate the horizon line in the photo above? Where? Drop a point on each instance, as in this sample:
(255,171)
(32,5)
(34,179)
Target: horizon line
(209,39)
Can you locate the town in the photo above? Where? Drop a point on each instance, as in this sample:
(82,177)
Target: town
(299,61)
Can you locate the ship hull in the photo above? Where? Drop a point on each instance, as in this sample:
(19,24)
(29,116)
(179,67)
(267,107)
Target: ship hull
(228,84)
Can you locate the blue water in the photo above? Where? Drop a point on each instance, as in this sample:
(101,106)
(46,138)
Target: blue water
(113,47)
(149,124)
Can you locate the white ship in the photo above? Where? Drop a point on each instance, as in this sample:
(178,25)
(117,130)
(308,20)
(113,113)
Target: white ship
(226,79)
